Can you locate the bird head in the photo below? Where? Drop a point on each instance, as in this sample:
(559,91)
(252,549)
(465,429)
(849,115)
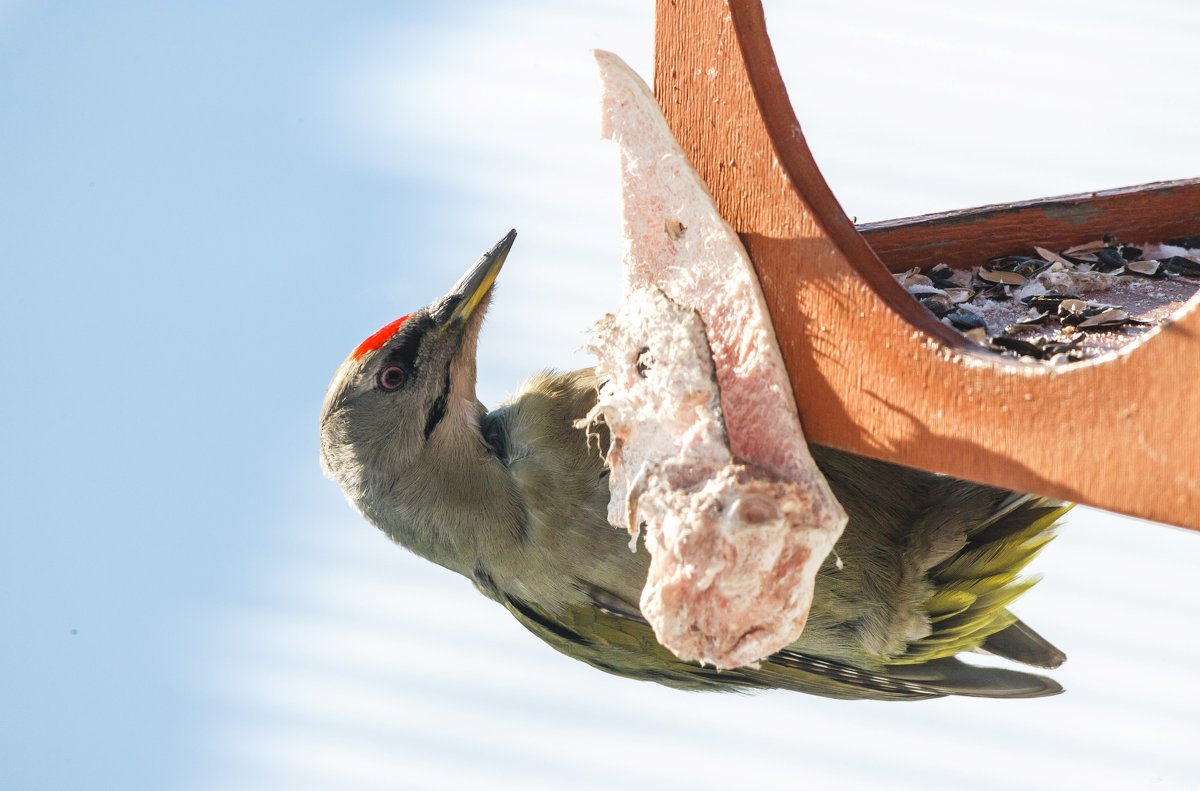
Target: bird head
(400,422)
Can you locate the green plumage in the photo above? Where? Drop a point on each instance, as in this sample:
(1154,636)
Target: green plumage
(516,500)
(929,565)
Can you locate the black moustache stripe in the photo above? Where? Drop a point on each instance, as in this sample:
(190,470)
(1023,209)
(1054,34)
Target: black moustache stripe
(438,410)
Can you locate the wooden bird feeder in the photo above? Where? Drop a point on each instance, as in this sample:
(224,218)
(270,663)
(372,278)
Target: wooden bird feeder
(876,374)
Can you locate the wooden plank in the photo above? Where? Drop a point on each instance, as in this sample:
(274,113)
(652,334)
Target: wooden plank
(964,238)
(872,372)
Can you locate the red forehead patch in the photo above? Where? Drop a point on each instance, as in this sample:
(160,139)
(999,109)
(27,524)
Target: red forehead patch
(379,337)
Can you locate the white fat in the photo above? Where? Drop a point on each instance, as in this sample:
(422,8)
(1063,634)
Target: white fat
(706,449)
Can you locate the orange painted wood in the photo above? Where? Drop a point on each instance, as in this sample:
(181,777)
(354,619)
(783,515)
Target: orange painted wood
(875,374)
(1146,213)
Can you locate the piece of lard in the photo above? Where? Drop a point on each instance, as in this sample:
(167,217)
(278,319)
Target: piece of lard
(733,554)
(706,451)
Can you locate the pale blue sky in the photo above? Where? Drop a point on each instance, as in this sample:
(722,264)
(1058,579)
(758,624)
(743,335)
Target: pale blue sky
(203,207)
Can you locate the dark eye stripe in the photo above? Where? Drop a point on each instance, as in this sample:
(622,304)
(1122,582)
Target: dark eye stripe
(404,353)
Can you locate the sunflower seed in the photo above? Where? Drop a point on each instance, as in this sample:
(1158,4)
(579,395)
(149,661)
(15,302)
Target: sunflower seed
(1072,307)
(1106,317)
(1008,344)
(1143,267)
(1086,247)
(1053,258)
(1109,259)
(1179,265)
(964,319)
(1001,276)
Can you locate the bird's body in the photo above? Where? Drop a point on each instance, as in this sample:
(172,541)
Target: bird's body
(516,500)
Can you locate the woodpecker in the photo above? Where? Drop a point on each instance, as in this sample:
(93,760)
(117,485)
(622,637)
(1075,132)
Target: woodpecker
(515,500)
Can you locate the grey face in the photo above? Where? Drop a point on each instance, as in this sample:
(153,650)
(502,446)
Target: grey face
(380,404)
(396,398)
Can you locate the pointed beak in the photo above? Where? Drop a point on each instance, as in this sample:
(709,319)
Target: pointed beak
(457,307)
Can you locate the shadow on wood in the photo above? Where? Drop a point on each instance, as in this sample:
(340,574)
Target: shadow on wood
(872,371)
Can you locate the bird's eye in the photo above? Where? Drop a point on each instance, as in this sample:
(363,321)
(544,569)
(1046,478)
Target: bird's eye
(392,378)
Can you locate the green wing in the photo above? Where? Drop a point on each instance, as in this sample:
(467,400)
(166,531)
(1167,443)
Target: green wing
(627,647)
(971,591)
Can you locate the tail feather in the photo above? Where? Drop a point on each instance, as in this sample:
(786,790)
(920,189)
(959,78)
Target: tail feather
(954,677)
(1006,555)
(1022,644)
(1015,513)
(973,588)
